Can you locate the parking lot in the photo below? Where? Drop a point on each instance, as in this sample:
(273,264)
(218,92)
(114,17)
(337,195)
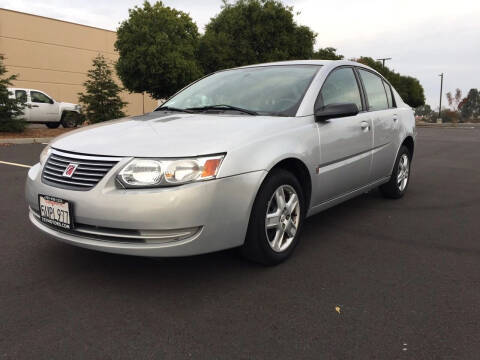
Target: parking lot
(371,279)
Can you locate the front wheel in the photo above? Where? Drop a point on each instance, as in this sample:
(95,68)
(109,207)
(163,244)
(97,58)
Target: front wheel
(276,219)
(397,186)
(52,125)
(69,119)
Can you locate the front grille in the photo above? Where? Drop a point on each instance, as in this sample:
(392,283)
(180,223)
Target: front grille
(90,170)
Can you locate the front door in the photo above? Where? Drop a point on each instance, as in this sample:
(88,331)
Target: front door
(345,143)
(42,108)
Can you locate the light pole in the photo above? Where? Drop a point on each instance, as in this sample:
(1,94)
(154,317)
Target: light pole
(439,120)
(383,61)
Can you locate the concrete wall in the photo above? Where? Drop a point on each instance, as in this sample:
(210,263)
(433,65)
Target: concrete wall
(54,56)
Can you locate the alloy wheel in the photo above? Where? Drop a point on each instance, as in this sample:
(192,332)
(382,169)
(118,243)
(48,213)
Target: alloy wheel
(282,218)
(403,172)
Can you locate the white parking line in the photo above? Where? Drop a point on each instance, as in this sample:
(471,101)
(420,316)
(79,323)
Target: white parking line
(14,164)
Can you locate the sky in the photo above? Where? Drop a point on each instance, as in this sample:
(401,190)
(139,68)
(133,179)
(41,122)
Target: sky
(423,37)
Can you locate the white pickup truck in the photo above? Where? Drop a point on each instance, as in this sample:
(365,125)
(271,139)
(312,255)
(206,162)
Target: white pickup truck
(40,108)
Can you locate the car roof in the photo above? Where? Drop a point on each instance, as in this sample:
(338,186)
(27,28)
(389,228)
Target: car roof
(326,65)
(292,62)
(26,89)
(333,63)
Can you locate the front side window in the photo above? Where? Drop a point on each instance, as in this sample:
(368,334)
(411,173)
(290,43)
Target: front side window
(21,95)
(267,90)
(38,97)
(340,87)
(376,96)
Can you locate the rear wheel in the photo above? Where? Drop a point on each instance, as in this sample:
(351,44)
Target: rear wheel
(52,125)
(276,219)
(398,184)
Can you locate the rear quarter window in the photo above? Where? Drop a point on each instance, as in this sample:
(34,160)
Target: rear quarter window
(388,89)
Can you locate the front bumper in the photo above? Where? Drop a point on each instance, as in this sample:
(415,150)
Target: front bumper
(218,210)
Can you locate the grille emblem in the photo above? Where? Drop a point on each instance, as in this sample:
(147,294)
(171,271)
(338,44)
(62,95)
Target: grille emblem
(69,170)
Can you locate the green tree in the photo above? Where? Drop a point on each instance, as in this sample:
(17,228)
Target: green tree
(408,87)
(10,108)
(254,31)
(471,105)
(424,110)
(328,53)
(157,47)
(101,100)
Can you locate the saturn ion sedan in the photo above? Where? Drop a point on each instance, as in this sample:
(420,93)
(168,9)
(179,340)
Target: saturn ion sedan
(238,158)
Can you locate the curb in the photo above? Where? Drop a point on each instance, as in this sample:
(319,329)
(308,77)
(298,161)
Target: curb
(445,127)
(465,125)
(25,140)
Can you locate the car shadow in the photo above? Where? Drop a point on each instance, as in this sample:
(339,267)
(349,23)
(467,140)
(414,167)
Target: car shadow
(74,260)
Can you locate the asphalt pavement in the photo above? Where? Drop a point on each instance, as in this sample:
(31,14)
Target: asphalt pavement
(371,279)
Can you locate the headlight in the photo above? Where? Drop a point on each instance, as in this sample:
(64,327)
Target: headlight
(142,173)
(44,154)
(158,172)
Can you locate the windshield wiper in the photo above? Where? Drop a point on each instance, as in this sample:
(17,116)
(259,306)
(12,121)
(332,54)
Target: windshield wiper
(169,108)
(223,106)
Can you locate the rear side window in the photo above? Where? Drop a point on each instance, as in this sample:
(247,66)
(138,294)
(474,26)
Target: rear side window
(376,96)
(388,89)
(340,87)
(21,95)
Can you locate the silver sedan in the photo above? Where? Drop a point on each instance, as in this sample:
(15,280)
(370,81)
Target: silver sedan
(237,159)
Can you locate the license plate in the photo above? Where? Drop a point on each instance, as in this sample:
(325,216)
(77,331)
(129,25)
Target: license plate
(55,211)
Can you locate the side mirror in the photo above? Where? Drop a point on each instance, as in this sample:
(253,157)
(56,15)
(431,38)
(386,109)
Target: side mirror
(336,111)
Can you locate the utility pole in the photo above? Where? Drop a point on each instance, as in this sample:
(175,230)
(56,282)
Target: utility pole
(439,120)
(383,61)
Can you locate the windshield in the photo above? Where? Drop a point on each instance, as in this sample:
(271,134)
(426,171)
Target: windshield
(266,90)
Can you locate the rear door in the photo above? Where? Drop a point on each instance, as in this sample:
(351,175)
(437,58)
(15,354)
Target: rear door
(345,143)
(384,117)
(21,95)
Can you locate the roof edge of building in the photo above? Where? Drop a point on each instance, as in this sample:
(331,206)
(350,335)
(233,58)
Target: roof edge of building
(59,20)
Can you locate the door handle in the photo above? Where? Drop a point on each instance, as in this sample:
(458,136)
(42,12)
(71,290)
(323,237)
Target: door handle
(365,126)
(395,118)
(34,106)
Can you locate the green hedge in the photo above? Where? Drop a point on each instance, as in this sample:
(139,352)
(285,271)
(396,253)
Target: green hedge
(10,125)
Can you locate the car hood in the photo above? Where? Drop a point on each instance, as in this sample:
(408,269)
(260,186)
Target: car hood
(66,104)
(171,135)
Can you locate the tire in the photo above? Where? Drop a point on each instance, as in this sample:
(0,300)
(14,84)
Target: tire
(396,188)
(68,121)
(52,125)
(274,245)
